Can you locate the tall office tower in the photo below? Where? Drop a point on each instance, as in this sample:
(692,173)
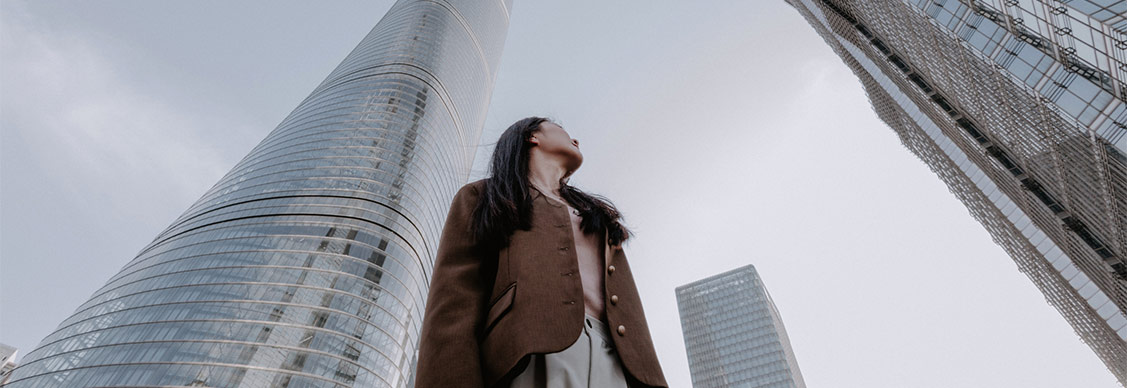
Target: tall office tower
(734,335)
(7,362)
(308,264)
(1020,107)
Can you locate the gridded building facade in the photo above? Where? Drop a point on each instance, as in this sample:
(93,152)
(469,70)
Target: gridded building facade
(308,264)
(734,335)
(1020,107)
(7,362)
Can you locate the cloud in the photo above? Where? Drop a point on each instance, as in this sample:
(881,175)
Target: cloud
(70,110)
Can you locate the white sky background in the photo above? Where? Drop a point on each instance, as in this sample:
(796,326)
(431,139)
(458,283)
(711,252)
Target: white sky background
(728,134)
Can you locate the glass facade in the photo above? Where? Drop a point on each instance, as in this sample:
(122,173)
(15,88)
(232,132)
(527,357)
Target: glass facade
(7,362)
(308,264)
(734,335)
(1020,107)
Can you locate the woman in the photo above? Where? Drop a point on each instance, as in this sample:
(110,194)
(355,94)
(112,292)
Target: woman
(530,286)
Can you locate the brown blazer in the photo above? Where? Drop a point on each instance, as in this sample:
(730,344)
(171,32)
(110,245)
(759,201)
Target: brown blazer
(484,314)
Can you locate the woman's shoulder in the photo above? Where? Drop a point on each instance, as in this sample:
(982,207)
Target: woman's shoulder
(478,184)
(471,190)
(475,186)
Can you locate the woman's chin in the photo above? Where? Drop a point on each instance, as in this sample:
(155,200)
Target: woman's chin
(575,163)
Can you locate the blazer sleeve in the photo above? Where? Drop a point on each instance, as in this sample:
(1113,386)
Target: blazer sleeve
(448,343)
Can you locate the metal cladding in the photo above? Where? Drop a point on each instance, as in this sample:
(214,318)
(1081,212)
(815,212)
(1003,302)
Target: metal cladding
(308,264)
(1020,107)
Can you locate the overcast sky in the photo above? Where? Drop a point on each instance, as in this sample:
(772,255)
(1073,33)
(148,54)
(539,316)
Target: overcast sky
(728,134)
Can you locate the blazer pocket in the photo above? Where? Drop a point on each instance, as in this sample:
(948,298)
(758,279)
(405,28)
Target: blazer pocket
(500,306)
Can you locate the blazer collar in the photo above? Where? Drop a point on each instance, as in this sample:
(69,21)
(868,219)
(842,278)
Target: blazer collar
(536,193)
(609,249)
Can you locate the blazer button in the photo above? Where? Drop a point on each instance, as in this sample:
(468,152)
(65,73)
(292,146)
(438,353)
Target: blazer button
(610,269)
(614,299)
(563,248)
(621,330)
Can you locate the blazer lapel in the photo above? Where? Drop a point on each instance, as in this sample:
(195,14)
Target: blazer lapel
(608,253)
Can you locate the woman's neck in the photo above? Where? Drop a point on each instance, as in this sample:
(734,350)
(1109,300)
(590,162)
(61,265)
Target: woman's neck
(545,176)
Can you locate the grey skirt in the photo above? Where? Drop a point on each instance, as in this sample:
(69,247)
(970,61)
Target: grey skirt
(590,362)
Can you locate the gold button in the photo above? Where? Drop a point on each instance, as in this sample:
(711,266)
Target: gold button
(610,269)
(621,330)
(614,299)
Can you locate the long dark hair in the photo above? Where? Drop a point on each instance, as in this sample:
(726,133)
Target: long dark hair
(506,200)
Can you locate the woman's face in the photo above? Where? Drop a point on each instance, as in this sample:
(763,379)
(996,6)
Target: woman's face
(554,141)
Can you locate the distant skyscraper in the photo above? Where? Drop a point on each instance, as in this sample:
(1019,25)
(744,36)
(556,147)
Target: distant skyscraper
(7,362)
(308,264)
(734,336)
(1020,107)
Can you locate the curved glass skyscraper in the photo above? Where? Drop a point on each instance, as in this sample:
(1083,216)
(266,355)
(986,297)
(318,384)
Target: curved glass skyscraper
(308,264)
